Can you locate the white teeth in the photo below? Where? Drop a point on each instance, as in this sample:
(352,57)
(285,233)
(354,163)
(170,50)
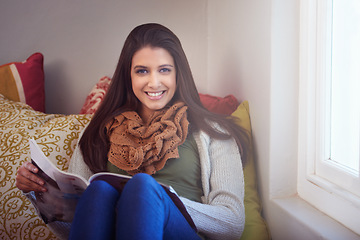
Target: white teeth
(156,94)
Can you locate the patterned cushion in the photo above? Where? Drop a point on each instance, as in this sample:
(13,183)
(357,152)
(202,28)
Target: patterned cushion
(95,97)
(24,81)
(57,136)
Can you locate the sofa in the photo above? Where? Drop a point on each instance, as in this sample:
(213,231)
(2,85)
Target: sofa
(22,116)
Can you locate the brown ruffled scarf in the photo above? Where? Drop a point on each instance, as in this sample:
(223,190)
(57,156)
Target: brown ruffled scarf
(136,147)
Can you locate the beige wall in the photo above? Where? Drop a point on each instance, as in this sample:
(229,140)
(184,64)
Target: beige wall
(81,40)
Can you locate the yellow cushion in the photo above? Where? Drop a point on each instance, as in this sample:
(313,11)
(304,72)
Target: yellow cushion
(255,225)
(56,134)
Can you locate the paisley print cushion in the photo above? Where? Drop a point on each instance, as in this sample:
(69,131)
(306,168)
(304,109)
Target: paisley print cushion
(56,134)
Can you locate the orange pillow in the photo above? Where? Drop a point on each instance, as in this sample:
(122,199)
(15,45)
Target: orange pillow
(24,81)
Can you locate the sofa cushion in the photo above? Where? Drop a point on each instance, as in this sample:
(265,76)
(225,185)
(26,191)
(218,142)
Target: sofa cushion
(221,105)
(255,225)
(96,95)
(24,81)
(56,135)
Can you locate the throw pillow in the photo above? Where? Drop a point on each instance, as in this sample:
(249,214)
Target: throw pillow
(222,105)
(255,225)
(95,96)
(57,135)
(24,81)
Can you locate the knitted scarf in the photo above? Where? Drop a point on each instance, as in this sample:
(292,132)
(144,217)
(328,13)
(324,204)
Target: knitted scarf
(137,147)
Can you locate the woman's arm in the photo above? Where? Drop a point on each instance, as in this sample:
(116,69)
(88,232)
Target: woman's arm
(222,213)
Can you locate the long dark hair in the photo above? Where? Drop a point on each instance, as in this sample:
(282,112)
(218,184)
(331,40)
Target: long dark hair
(120,97)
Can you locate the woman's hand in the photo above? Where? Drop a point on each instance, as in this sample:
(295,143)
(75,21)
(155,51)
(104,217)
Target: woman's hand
(27,181)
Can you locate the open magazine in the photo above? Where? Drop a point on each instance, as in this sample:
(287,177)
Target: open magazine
(65,189)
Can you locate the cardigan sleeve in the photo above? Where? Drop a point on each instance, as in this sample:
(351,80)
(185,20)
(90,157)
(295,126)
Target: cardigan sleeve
(221,215)
(77,164)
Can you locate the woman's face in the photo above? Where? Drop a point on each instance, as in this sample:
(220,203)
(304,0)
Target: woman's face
(153,78)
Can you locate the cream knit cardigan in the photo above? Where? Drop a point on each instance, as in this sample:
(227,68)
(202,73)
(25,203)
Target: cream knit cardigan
(221,215)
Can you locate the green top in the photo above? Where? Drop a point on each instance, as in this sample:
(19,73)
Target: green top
(182,173)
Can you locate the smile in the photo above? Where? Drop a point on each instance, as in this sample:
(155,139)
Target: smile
(155,94)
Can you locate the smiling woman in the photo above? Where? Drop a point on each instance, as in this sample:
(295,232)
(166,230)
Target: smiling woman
(152,125)
(153,78)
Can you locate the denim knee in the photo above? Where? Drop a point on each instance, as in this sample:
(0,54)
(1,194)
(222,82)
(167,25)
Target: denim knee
(143,185)
(142,177)
(143,181)
(99,186)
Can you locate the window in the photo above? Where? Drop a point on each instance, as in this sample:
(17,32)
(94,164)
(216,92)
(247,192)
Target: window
(338,91)
(329,110)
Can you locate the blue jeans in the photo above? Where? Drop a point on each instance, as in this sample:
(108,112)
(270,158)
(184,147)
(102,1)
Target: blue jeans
(143,210)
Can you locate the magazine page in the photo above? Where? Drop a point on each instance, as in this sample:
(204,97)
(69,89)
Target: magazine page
(64,189)
(116,180)
(119,180)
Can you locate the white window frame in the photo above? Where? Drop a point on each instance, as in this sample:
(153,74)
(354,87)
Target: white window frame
(329,198)
(325,167)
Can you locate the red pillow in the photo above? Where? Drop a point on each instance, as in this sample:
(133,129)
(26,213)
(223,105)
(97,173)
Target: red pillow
(24,81)
(96,96)
(226,105)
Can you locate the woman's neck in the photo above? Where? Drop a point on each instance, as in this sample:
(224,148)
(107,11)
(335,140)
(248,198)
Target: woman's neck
(145,114)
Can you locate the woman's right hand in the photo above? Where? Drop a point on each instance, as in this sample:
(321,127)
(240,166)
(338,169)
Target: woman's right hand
(26,179)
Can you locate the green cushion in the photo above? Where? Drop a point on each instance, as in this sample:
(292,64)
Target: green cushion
(255,225)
